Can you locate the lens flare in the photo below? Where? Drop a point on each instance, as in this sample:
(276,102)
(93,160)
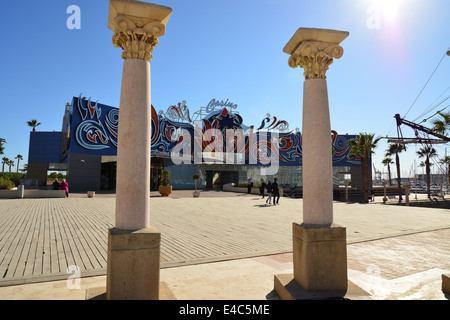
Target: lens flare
(389,9)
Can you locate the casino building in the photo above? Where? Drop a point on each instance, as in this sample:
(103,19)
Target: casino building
(213,142)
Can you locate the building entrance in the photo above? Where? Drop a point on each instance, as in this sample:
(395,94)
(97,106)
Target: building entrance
(216,179)
(155,173)
(108,176)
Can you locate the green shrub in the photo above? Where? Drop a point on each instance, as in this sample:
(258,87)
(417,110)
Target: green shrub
(12,176)
(165,181)
(6,184)
(245,185)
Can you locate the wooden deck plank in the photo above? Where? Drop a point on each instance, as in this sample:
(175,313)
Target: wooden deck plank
(52,248)
(70,241)
(8,235)
(39,261)
(82,235)
(20,245)
(10,219)
(98,237)
(58,253)
(66,256)
(30,245)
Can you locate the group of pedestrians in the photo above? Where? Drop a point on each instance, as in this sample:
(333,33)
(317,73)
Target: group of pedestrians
(272,191)
(61,186)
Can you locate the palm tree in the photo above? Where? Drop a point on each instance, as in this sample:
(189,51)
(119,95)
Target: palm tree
(2,148)
(24,168)
(427,152)
(442,125)
(446,161)
(387,161)
(33,123)
(5,160)
(396,148)
(18,157)
(363,147)
(10,164)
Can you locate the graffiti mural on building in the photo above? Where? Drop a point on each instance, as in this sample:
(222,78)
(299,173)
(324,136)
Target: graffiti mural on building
(95,130)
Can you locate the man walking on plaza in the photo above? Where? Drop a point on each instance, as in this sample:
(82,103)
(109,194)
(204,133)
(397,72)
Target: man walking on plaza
(249,185)
(275,191)
(262,187)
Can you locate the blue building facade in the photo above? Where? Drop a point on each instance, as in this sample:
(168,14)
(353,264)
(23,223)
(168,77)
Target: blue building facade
(213,142)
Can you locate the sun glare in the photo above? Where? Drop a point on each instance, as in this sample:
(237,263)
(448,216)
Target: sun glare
(390,9)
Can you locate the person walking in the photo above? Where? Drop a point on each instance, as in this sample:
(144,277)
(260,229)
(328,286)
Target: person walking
(275,191)
(65,186)
(262,188)
(249,185)
(269,192)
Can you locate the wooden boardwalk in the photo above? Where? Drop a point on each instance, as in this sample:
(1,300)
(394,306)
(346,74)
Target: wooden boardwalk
(41,238)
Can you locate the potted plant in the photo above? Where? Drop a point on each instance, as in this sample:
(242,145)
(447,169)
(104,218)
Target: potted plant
(165,189)
(196,193)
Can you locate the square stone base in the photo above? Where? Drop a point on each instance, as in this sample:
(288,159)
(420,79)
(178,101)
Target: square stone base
(133,264)
(287,288)
(320,257)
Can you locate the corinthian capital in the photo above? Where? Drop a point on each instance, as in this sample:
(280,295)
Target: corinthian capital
(314,50)
(137,26)
(136,40)
(315,57)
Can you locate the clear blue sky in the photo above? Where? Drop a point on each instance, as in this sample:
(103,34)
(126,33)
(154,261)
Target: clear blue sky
(229,50)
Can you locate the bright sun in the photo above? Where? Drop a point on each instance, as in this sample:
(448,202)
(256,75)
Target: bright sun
(389,8)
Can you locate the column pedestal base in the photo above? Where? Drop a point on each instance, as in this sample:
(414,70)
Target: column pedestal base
(320,264)
(287,288)
(320,256)
(133,264)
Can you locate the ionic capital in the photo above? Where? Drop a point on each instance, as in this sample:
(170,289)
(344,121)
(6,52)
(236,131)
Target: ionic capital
(315,58)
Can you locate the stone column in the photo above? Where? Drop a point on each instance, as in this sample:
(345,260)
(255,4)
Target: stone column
(347,184)
(314,50)
(133,245)
(407,187)
(384,188)
(319,245)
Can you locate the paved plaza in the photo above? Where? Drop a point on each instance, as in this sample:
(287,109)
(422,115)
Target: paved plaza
(222,245)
